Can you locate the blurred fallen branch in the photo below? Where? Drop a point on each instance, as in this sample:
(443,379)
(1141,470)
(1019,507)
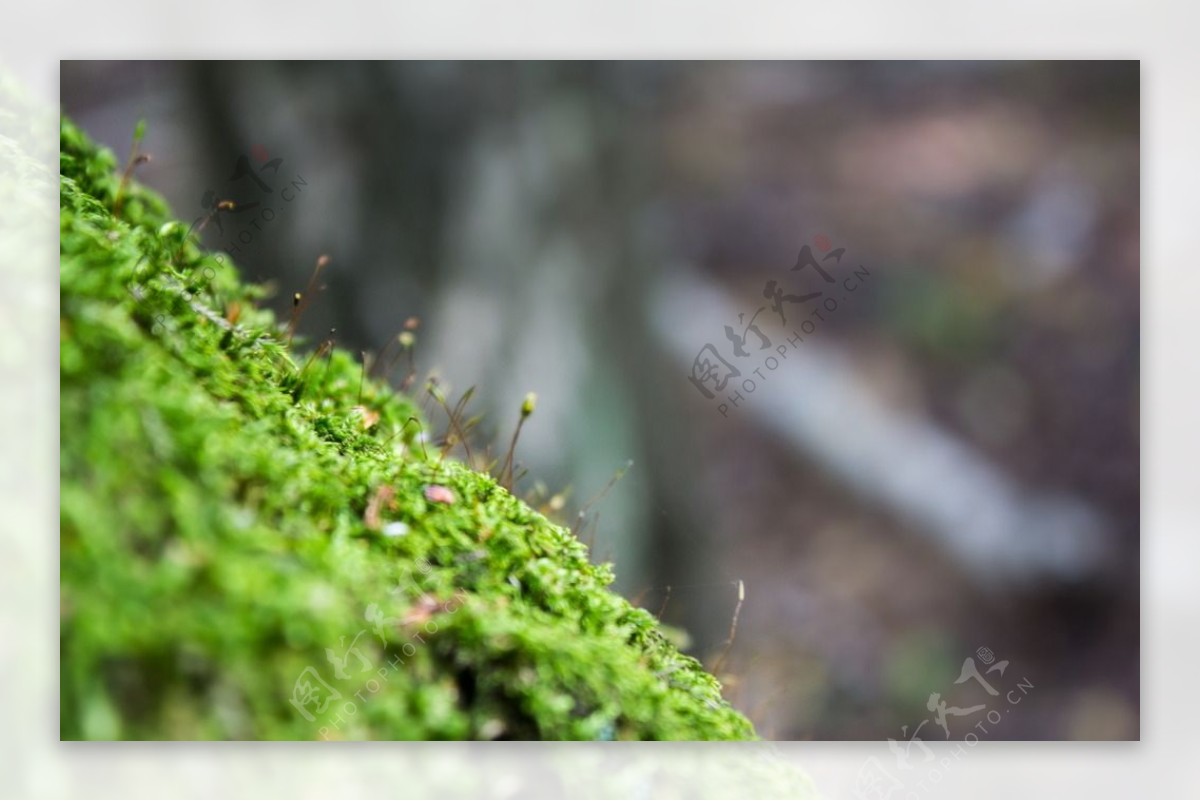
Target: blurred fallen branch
(1001,532)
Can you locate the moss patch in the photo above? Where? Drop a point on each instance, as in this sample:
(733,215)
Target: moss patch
(243,557)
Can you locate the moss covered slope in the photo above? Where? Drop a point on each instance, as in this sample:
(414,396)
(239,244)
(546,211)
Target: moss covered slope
(219,578)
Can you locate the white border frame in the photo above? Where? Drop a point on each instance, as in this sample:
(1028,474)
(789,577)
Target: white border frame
(35,36)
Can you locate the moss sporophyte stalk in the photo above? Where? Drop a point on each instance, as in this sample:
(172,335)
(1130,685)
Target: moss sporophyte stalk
(249,553)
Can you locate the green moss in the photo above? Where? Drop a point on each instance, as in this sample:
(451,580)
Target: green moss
(214,549)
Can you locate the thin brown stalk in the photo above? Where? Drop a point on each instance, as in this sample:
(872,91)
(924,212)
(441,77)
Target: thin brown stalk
(302,300)
(732,628)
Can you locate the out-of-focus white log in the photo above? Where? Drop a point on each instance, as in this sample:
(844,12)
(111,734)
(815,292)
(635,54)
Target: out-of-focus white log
(1002,532)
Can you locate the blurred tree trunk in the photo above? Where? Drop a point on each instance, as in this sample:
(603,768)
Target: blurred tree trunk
(506,205)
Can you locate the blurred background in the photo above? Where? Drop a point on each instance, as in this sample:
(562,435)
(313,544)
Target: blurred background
(943,465)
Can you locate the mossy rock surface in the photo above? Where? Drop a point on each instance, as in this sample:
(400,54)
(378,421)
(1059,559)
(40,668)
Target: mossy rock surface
(223,574)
